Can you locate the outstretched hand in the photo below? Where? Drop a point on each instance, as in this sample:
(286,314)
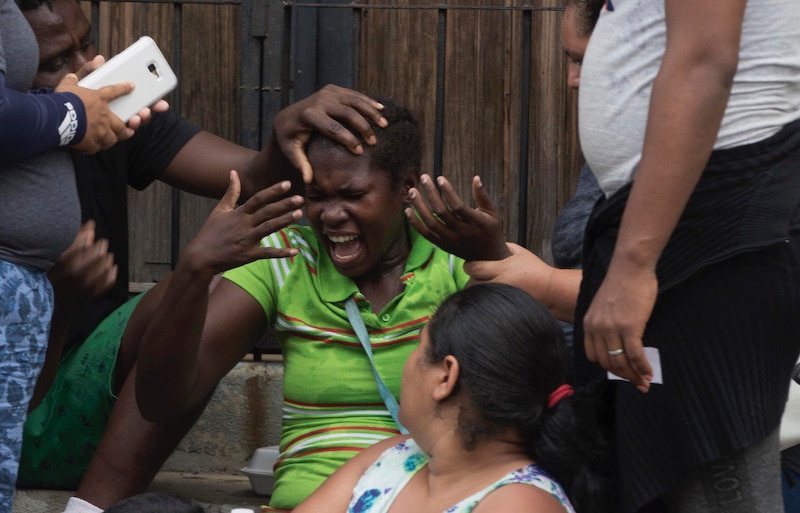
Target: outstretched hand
(444,219)
(324,112)
(521,269)
(231,235)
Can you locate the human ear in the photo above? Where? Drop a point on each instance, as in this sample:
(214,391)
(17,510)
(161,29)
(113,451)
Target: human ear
(409,181)
(447,378)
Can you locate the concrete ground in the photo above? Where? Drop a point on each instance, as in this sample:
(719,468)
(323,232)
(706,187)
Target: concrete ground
(218,492)
(244,414)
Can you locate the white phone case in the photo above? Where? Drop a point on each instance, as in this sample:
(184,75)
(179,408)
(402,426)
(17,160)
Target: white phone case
(141,63)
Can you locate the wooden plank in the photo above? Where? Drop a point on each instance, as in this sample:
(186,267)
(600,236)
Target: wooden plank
(398,59)
(475,101)
(483,101)
(209,92)
(208,99)
(149,211)
(548,92)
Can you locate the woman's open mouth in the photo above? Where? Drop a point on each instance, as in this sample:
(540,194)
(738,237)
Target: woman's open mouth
(344,248)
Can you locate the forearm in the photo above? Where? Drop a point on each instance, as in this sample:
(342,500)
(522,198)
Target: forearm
(204,164)
(31,124)
(63,312)
(557,289)
(562,293)
(168,366)
(270,166)
(686,109)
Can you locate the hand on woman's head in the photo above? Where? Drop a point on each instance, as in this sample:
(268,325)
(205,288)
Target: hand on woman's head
(329,111)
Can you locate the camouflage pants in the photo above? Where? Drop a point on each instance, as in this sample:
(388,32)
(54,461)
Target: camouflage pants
(26,305)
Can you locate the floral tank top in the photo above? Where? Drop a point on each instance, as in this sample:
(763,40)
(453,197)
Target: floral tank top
(384,480)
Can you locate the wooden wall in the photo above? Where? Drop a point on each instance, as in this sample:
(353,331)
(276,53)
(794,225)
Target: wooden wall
(482,100)
(201,42)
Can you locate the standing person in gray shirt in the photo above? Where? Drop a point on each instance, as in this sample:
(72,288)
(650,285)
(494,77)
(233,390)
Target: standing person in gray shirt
(39,212)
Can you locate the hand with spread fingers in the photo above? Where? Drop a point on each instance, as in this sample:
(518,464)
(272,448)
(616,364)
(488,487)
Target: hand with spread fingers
(231,235)
(615,323)
(325,112)
(442,217)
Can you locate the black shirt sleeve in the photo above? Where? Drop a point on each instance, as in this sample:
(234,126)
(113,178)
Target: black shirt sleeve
(154,146)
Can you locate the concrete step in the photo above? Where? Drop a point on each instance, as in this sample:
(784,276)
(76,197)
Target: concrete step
(244,414)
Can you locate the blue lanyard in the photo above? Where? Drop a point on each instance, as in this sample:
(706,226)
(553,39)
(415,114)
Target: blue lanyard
(361,331)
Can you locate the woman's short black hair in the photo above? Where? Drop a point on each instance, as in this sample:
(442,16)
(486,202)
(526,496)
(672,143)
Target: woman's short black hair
(399,145)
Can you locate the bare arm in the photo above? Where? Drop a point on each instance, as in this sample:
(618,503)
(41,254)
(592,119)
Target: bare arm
(193,339)
(555,288)
(204,163)
(689,97)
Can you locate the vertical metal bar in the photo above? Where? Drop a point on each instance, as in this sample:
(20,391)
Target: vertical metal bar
(355,73)
(274,64)
(254,29)
(438,135)
(335,33)
(524,132)
(175,217)
(304,51)
(286,73)
(96,23)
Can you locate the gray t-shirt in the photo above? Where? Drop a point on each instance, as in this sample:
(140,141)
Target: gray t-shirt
(624,56)
(39,205)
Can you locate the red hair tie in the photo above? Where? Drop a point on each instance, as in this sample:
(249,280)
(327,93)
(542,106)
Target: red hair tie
(558,394)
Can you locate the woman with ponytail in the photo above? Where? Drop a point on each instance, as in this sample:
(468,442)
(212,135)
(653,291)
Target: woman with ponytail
(493,424)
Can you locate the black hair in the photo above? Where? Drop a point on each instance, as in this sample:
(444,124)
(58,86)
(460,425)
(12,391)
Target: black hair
(152,502)
(512,355)
(588,11)
(399,145)
(32,5)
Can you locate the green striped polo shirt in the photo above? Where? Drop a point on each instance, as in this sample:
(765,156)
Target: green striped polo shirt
(332,408)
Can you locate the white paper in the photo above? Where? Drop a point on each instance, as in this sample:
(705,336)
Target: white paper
(654,357)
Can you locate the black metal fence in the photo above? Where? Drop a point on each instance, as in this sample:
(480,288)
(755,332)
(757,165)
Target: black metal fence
(287,50)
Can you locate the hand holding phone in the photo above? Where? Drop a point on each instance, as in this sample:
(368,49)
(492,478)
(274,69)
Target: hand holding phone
(103,127)
(141,63)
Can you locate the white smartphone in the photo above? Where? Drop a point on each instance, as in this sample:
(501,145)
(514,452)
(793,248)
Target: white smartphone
(141,63)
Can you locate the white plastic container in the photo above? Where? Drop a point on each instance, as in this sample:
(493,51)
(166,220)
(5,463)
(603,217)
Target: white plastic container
(260,469)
